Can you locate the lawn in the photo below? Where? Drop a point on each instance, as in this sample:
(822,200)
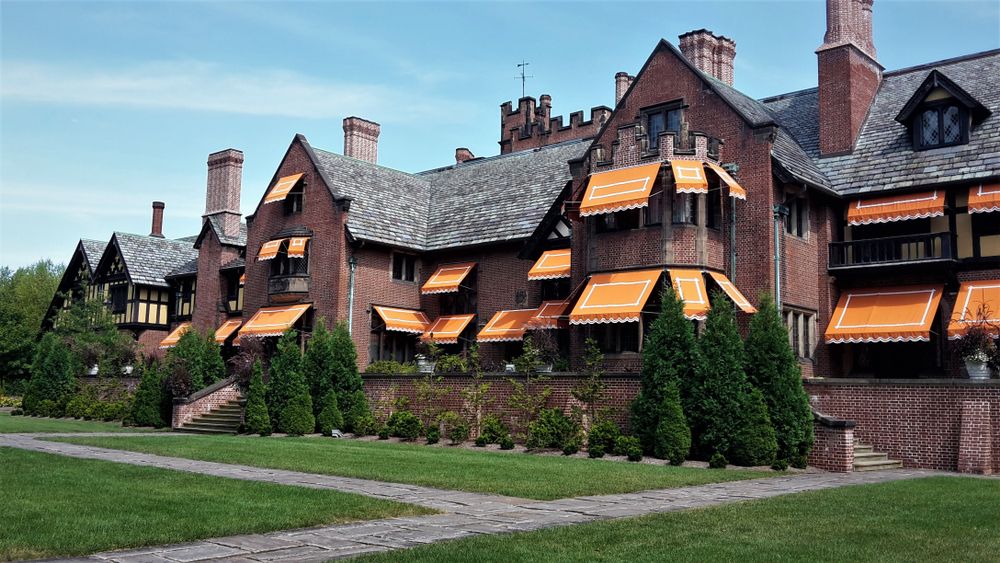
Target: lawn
(517,475)
(55,506)
(10,424)
(935,519)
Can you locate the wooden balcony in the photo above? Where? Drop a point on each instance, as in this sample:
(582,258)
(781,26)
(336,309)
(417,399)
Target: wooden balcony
(891,252)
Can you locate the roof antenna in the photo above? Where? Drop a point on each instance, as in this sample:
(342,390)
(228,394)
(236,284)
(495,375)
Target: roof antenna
(523,66)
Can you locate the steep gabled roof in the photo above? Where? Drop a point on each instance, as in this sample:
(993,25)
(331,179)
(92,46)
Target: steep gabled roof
(212,222)
(92,251)
(149,260)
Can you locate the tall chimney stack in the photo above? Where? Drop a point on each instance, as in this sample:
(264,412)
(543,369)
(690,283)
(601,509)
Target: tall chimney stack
(463,154)
(710,53)
(622,83)
(849,74)
(157,230)
(361,139)
(222,196)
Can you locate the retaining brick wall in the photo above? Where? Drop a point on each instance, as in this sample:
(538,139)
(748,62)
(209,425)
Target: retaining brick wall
(919,422)
(208,399)
(833,449)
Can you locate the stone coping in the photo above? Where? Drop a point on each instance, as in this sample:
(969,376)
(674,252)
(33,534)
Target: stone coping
(202,393)
(963,383)
(504,375)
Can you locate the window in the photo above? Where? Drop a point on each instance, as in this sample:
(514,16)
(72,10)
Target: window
(615,338)
(654,212)
(184,302)
(801,327)
(660,119)
(404,267)
(797,221)
(388,345)
(555,289)
(234,293)
(986,233)
(713,208)
(119,297)
(685,208)
(284,265)
(618,221)
(940,125)
(293,201)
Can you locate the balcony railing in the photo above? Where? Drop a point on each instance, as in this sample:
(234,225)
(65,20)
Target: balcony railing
(891,250)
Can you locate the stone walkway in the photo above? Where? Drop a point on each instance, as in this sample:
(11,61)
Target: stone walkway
(467,514)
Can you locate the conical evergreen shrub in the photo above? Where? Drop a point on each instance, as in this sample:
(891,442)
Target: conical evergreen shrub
(346,379)
(297,416)
(754,443)
(146,406)
(329,418)
(318,365)
(212,363)
(670,354)
(255,416)
(772,367)
(188,354)
(719,389)
(358,417)
(286,379)
(673,437)
(52,370)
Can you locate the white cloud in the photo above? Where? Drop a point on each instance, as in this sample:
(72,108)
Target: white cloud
(201,86)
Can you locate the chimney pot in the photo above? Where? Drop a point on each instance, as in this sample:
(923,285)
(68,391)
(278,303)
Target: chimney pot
(361,139)
(157,230)
(222,194)
(462,155)
(710,53)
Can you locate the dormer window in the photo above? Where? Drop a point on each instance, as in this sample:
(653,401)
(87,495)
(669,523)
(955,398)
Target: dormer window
(941,125)
(940,113)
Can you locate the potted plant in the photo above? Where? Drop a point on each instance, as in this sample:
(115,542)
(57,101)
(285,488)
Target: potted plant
(977,347)
(428,352)
(548,349)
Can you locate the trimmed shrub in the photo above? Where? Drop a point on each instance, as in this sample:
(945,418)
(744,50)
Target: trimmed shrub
(754,443)
(286,379)
(634,453)
(459,433)
(383,433)
(552,429)
(211,361)
(670,354)
(52,370)
(626,446)
(17,412)
(46,407)
(772,366)
(255,415)
(366,425)
(146,407)
(357,415)
(605,434)
(571,448)
(596,451)
(318,365)
(114,411)
(779,465)
(405,425)
(329,418)
(494,429)
(673,437)
(799,462)
(481,441)
(506,443)
(433,435)
(344,376)
(718,461)
(30,404)
(297,417)
(188,355)
(94,412)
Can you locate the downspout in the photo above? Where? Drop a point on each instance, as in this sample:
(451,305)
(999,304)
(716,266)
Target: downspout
(353,263)
(732,240)
(779,210)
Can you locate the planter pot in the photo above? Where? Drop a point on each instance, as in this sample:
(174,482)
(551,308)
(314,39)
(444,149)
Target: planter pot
(545,368)
(509,368)
(424,366)
(977,370)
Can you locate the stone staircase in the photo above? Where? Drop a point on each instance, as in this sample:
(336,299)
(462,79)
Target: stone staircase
(866,459)
(224,419)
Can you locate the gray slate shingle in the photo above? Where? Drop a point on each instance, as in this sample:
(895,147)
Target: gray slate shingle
(149,259)
(92,251)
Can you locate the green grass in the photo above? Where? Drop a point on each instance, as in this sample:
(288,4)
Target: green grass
(10,424)
(516,475)
(54,506)
(927,520)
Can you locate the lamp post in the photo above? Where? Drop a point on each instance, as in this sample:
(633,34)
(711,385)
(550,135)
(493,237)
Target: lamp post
(353,263)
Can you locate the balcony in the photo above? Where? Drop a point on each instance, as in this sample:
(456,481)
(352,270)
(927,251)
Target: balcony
(288,289)
(891,252)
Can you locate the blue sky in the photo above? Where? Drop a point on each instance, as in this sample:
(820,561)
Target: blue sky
(105,107)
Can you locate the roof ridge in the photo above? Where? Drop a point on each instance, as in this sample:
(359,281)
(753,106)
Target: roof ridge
(364,161)
(504,155)
(164,239)
(934,64)
(786,95)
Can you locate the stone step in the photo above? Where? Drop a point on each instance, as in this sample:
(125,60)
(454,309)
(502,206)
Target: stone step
(859,449)
(189,430)
(220,417)
(870,456)
(876,465)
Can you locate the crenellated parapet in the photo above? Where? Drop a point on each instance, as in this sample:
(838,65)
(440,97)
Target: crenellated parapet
(531,124)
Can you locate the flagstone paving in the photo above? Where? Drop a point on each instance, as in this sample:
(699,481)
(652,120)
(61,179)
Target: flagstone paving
(467,514)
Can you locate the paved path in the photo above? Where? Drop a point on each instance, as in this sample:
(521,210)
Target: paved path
(468,514)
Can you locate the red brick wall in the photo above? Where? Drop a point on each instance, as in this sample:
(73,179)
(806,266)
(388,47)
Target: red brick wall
(848,80)
(149,342)
(186,412)
(544,129)
(212,286)
(833,449)
(975,453)
(917,422)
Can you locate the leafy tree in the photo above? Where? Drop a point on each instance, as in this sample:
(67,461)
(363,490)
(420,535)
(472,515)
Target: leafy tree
(430,391)
(212,362)
(754,443)
(591,392)
(319,364)
(52,370)
(94,337)
(670,354)
(297,416)
(476,395)
(255,415)
(25,296)
(286,379)
(719,389)
(146,409)
(188,356)
(329,417)
(772,367)
(673,437)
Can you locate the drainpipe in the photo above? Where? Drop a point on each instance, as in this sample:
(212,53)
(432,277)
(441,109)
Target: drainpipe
(779,210)
(732,240)
(353,263)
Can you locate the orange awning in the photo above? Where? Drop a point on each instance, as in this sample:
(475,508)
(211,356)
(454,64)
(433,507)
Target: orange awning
(884,314)
(983,199)
(297,247)
(971,297)
(272,321)
(618,190)
(446,330)
(896,208)
(403,320)
(551,265)
(270,249)
(689,176)
(551,314)
(281,189)
(447,278)
(690,288)
(506,326)
(614,298)
(171,340)
(243,278)
(733,293)
(226,330)
(735,190)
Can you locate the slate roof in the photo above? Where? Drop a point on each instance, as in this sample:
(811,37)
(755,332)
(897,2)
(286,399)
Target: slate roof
(149,260)
(239,240)
(883,157)
(479,201)
(93,250)
(234,264)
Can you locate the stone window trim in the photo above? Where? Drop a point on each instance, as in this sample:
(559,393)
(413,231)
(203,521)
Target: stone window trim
(801,324)
(666,117)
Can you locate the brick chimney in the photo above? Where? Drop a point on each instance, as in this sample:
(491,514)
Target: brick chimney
(157,230)
(849,73)
(462,155)
(710,53)
(222,196)
(622,82)
(361,139)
